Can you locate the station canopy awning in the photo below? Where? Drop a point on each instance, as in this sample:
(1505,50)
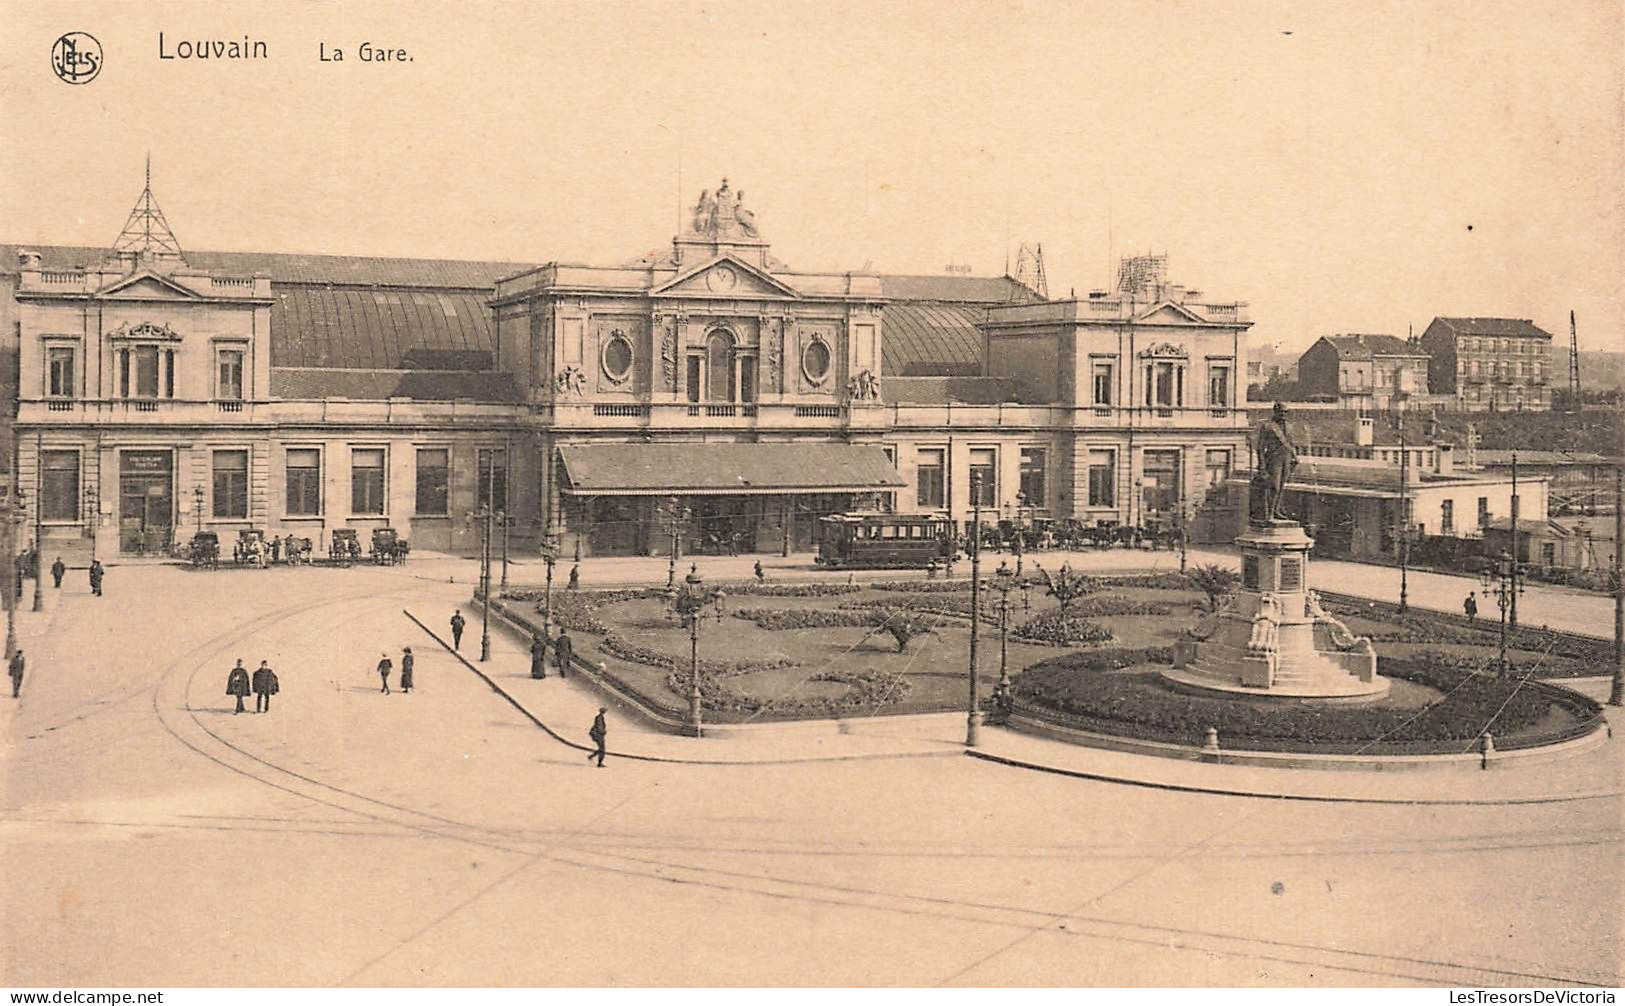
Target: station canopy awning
(725,469)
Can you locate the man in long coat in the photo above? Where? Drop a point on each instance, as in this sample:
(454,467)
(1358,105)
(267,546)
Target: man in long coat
(58,569)
(265,685)
(96,574)
(563,650)
(598,733)
(17,673)
(385,665)
(237,684)
(538,656)
(457,624)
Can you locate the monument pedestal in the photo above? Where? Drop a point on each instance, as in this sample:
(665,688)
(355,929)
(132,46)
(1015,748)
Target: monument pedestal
(1273,638)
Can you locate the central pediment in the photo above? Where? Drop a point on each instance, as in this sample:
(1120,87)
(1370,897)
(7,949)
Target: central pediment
(726,276)
(147,285)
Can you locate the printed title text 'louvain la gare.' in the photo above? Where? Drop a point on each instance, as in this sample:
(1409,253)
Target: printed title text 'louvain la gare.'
(247,48)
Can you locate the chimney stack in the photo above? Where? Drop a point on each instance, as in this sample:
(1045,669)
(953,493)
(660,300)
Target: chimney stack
(1363,431)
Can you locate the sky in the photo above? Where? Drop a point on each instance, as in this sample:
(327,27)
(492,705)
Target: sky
(1343,167)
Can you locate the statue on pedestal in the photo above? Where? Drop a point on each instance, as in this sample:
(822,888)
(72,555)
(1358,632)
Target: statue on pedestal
(1277,456)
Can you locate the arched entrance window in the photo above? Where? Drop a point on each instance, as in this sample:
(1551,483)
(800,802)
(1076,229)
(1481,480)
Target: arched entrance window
(719,366)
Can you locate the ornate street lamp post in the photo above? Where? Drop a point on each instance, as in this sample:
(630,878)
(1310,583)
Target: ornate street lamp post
(39,499)
(8,509)
(1003,582)
(1501,579)
(197,505)
(485,515)
(92,517)
(973,712)
(550,556)
(673,517)
(692,604)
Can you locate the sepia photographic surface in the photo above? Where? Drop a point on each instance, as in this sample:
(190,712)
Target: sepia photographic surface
(811,495)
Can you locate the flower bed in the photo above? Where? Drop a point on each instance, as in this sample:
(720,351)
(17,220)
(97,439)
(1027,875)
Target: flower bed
(618,647)
(1140,705)
(866,690)
(1046,627)
(789,619)
(923,586)
(752,588)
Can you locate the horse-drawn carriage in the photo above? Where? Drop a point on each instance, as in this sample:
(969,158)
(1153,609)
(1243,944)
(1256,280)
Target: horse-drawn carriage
(204,549)
(250,548)
(345,545)
(388,548)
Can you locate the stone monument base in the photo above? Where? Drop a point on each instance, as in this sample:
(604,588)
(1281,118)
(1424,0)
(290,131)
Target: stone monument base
(1273,638)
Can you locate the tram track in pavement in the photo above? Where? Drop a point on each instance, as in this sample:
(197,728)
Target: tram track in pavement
(194,734)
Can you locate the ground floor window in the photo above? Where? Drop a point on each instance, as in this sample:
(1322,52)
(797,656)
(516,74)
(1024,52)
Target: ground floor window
(1034,461)
(1218,467)
(231,485)
(367,480)
(1160,488)
(1102,478)
(984,476)
(493,478)
(1447,517)
(928,472)
(304,472)
(59,486)
(434,482)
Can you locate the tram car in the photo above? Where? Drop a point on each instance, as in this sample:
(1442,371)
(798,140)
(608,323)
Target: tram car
(883,541)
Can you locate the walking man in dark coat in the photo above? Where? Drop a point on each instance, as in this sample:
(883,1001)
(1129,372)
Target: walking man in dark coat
(538,656)
(406,669)
(265,686)
(57,571)
(385,665)
(17,673)
(1470,606)
(598,733)
(96,574)
(563,650)
(575,578)
(457,624)
(237,684)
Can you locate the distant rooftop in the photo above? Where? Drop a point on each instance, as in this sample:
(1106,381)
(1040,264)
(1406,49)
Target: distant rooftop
(1493,326)
(1360,346)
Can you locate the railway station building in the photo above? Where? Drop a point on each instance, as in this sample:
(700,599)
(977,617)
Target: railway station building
(160,392)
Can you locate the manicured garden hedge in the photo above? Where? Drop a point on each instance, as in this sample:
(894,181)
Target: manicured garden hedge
(1081,690)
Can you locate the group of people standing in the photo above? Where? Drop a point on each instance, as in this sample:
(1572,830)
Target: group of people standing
(263,684)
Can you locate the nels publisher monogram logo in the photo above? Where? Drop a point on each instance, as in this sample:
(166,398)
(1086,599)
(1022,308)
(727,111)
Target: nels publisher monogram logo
(76,57)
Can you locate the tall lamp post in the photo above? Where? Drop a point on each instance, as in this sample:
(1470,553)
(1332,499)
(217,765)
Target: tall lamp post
(550,556)
(507,522)
(1501,579)
(485,515)
(8,510)
(197,505)
(39,498)
(1003,581)
(693,603)
(92,517)
(1404,519)
(1616,695)
(673,517)
(973,712)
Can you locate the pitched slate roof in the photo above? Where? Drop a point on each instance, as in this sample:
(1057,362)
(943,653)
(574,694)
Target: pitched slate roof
(308,384)
(958,289)
(1364,347)
(1493,326)
(716,469)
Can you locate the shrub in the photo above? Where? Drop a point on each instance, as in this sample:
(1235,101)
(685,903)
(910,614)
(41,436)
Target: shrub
(1066,587)
(1215,581)
(905,626)
(633,652)
(752,588)
(783,619)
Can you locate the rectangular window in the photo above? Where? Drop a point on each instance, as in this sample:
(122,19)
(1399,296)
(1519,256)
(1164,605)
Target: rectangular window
(1218,386)
(1165,386)
(984,476)
(1483,511)
(493,478)
(59,372)
(1103,383)
(169,373)
(1447,517)
(1218,467)
(304,469)
(59,486)
(367,480)
(1548,553)
(230,388)
(124,373)
(1102,478)
(434,482)
(747,378)
(1033,465)
(145,359)
(231,485)
(693,383)
(929,472)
